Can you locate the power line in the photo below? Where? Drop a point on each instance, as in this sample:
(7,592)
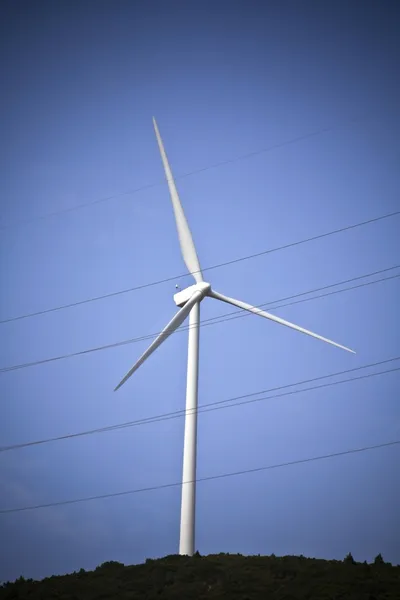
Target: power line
(201,479)
(243,313)
(220,404)
(188,174)
(217,266)
(212,320)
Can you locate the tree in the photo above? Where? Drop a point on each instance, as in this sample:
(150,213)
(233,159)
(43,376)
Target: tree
(349,560)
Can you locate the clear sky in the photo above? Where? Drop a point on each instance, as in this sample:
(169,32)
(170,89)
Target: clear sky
(81,81)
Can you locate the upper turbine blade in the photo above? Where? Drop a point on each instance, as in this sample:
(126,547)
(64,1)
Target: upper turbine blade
(166,332)
(267,315)
(185,236)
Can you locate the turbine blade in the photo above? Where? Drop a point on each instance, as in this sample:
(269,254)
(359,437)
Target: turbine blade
(185,237)
(166,332)
(267,315)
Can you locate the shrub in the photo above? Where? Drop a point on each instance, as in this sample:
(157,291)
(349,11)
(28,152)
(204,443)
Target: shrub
(349,560)
(109,564)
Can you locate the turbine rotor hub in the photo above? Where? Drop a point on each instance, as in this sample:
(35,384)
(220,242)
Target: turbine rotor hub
(181,297)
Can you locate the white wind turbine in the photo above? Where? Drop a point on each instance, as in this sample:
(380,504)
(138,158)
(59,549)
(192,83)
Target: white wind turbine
(189,302)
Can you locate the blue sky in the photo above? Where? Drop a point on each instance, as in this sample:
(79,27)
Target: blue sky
(81,82)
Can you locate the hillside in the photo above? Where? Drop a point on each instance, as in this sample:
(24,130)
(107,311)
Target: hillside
(219,576)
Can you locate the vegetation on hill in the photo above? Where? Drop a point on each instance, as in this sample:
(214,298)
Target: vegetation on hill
(219,576)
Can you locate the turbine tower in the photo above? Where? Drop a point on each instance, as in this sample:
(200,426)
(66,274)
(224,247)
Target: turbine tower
(188,300)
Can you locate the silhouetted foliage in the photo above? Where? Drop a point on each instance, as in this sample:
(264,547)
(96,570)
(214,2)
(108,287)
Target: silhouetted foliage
(221,576)
(109,565)
(349,560)
(379,560)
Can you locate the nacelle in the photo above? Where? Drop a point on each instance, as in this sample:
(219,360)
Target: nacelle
(183,296)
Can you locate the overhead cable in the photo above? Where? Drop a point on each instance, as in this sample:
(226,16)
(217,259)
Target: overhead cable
(184,175)
(220,404)
(200,479)
(215,320)
(216,266)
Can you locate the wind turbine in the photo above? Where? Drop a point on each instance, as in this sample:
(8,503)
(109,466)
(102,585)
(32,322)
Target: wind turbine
(188,300)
